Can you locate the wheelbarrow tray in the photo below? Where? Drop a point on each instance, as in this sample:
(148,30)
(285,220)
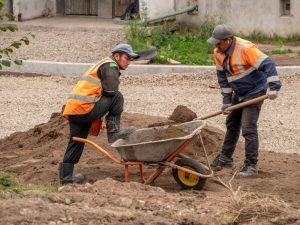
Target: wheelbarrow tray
(142,146)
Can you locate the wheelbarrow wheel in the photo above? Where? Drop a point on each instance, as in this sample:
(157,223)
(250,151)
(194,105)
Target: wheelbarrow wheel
(187,180)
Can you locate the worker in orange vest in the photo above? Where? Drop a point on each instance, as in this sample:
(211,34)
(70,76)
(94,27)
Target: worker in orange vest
(95,95)
(243,73)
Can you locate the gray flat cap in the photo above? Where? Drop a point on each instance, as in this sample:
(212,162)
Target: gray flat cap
(221,31)
(127,49)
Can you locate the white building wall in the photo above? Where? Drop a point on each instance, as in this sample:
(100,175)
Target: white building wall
(246,16)
(155,8)
(30,9)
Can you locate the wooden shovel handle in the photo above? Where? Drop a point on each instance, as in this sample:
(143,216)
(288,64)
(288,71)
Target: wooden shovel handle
(234,107)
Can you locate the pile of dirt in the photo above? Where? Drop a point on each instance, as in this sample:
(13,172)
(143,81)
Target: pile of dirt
(33,157)
(182,114)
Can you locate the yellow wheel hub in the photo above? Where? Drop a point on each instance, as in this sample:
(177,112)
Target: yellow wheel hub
(187,178)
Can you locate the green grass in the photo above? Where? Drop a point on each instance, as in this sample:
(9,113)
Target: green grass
(182,46)
(186,47)
(281,52)
(7,184)
(260,37)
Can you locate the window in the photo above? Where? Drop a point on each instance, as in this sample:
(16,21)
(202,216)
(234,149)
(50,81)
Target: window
(285,7)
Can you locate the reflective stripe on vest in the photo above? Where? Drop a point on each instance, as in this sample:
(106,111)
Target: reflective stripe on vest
(92,80)
(87,91)
(241,64)
(84,98)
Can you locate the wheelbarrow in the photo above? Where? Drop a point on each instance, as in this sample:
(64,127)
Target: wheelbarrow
(143,148)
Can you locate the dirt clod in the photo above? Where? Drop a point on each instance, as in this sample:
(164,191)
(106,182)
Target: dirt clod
(182,114)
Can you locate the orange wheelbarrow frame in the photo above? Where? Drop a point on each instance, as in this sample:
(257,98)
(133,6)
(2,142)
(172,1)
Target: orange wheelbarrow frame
(161,165)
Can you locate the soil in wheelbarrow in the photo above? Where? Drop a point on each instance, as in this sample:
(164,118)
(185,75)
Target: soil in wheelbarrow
(33,157)
(158,134)
(212,137)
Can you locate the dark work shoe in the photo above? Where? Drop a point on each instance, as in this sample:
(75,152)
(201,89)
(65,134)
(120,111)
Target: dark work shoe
(222,161)
(248,171)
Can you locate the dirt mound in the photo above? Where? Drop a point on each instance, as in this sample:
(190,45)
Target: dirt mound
(182,114)
(33,156)
(109,201)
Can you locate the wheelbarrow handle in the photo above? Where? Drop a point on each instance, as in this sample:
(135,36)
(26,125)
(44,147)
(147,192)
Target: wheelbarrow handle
(237,106)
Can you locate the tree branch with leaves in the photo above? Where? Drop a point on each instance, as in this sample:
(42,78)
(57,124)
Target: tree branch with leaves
(6,52)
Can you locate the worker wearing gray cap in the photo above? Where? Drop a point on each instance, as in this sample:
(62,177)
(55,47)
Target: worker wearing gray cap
(243,72)
(95,95)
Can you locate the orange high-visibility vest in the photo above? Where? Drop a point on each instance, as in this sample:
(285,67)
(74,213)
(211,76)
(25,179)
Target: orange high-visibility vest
(242,64)
(87,91)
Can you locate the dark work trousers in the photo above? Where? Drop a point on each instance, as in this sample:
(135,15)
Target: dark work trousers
(245,118)
(80,124)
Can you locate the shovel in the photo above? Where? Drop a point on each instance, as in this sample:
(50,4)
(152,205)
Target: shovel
(237,106)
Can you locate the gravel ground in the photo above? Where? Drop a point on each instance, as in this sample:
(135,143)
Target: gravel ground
(27,101)
(65,46)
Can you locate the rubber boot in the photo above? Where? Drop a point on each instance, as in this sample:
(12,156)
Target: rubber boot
(113,129)
(66,174)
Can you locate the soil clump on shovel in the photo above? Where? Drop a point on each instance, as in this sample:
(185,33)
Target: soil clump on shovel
(182,114)
(212,137)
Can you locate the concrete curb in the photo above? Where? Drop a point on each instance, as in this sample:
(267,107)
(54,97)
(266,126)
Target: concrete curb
(75,69)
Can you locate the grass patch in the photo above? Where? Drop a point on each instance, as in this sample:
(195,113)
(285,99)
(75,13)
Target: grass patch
(173,42)
(7,184)
(281,51)
(275,39)
(185,48)
(177,43)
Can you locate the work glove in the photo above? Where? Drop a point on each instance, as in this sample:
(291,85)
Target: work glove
(272,94)
(224,107)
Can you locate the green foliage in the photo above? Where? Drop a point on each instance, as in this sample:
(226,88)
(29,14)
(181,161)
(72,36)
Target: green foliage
(7,184)
(281,52)
(136,34)
(206,27)
(5,53)
(5,181)
(275,39)
(185,48)
(172,43)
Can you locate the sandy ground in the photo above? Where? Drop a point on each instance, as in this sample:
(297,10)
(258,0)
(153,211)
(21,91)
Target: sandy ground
(27,101)
(32,153)
(271,197)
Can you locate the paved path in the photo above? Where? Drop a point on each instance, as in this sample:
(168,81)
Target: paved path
(79,23)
